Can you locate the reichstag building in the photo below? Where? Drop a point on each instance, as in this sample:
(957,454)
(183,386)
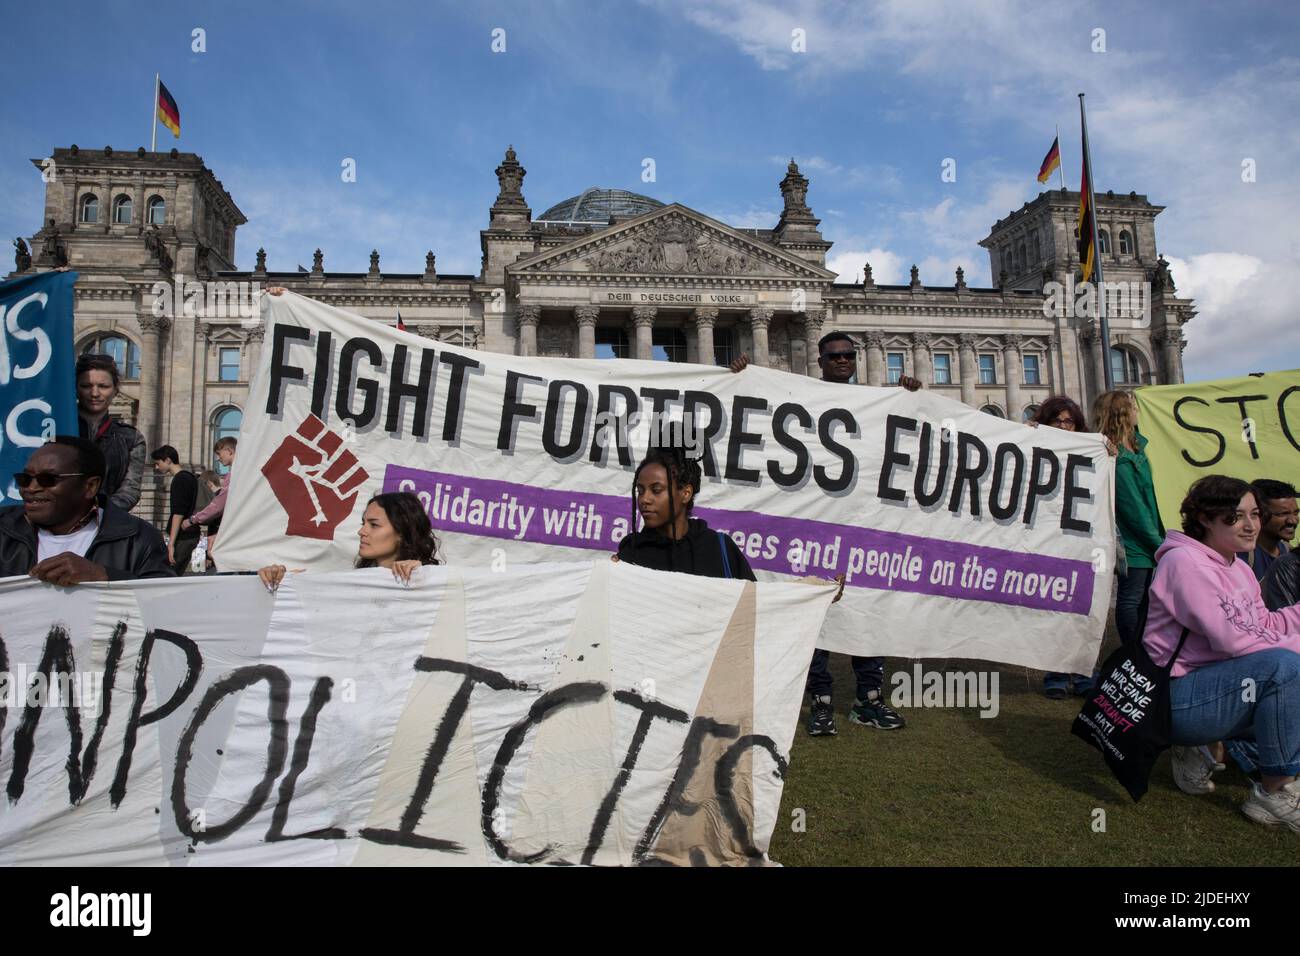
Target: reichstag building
(606,274)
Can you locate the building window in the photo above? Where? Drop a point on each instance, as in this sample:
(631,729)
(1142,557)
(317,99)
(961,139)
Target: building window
(988,369)
(157,211)
(1125,243)
(1030,413)
(90,208)
(724,347)
(895,366)
(1034,249)
(122,209)
(225,424)
(1033,375)
(1125,366)
(1103,242)
(1020,257)
(122,350)
(991,409)
(611,343)
(228,365)
(942,368)
(668,345)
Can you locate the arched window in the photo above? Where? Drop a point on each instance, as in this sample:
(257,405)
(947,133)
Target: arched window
(225,424)
(1103,242)
(1030,412)
(1125,366)
(1125,243)
(122,209)
(1034,249)
(123,351)
(991,409)
(90,208)
(1020,257)
(157,211)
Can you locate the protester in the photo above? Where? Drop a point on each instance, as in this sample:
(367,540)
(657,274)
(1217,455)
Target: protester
(1278,519)
(182,496)
(1060,411)
(1115,415)
(1233,641)
(664,487)
(66,531)
(123,447)
(224,449)
(395,533)
(838,359)
(1281,586)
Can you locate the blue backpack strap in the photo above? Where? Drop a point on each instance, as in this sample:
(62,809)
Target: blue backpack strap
(726,563)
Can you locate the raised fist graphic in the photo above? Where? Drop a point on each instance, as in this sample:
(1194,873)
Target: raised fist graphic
(315,480)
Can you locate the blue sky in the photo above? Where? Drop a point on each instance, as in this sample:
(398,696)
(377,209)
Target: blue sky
(713,93)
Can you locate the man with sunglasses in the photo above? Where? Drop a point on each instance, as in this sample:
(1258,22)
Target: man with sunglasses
(838,359)
(65,532)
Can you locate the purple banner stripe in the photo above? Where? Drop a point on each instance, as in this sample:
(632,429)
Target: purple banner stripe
(884,560)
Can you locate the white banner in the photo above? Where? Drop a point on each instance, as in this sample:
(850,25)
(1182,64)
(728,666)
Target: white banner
(959,534)
(628,717)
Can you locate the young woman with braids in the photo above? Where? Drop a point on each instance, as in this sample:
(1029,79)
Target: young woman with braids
(663,493)
(395,533)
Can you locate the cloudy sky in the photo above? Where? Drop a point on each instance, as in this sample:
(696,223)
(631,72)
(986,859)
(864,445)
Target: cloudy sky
(1180,96)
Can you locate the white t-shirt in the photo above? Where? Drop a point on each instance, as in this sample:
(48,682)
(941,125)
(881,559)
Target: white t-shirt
(78,542)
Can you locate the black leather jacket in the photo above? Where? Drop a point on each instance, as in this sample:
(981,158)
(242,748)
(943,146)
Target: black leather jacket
(127,546)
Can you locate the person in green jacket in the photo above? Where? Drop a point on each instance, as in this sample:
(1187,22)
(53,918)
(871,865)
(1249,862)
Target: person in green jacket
(1115,415)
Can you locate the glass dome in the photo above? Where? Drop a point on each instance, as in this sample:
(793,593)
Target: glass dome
(597,205)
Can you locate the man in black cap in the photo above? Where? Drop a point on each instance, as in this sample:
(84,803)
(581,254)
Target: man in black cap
(65,532)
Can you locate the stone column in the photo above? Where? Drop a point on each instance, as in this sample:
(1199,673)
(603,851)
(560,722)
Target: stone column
(1052,379)
(860,360)
(1012,368)
(643,316)
(759,319)
(704,319)
(151,375)
(967,367)
(528,317)
(1092,337)
(255,339)
(875,358)
(586,316)
(921,357)
(812,331)
(1169,341)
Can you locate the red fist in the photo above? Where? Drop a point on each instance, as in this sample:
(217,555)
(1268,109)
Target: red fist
(314,480)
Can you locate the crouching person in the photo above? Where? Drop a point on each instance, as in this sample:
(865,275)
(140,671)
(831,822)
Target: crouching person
(1238,675)
(66,532)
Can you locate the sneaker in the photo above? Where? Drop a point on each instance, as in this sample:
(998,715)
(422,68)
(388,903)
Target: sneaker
(1056,686)
(1081,685)
(1056,693)
(1192,769)
(874,712)
(821,718)
(1271,809)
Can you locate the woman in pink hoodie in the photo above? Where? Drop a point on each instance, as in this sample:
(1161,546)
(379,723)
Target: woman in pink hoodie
(1238,675)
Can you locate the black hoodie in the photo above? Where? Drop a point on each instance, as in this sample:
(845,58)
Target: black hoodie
(699,552)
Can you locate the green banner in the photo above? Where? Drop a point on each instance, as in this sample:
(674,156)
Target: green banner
(1247,427)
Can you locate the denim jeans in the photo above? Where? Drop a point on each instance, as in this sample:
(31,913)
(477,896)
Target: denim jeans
(1128,603)
(869,671)
(1217,701)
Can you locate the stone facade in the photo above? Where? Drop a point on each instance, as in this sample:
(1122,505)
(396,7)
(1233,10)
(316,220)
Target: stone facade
(663,279)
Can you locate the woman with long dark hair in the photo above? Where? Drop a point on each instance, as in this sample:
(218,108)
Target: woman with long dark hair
(395,533)
(664,488)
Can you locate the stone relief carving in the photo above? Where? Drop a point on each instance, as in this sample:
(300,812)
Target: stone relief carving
(673,246)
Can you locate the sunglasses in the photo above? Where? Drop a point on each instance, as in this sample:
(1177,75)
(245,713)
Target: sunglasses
(832,356)
(46,479)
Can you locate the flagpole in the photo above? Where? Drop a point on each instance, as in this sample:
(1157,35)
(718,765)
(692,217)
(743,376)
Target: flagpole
(153,135)
(1060,156)
(1097,281)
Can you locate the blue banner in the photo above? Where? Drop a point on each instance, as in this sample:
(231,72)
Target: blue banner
(38,390)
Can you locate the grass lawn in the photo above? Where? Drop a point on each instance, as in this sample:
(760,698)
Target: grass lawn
(955,789)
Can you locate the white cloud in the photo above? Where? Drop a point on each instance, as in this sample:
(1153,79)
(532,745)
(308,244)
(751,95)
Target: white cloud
(887,268)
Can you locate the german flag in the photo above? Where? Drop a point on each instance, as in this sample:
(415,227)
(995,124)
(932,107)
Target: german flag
(168,111)
(1087,256)
(1050,161)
